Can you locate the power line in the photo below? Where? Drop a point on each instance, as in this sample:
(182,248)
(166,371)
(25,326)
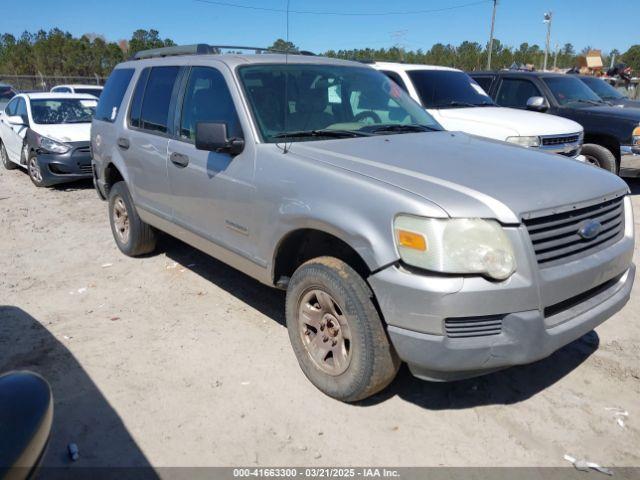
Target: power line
(345,14)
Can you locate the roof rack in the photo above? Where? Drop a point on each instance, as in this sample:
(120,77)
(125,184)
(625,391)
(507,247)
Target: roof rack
(205,49)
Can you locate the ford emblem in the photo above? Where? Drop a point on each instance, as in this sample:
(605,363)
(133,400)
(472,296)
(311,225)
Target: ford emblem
(589,229)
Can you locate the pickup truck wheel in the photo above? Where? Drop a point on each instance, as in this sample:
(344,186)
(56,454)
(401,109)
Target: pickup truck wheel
(132,235)
(336,332)
(6,163)
(599,156)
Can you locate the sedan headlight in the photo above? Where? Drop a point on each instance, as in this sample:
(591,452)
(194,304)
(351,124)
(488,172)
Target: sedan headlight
(525,141)
(53,146)
(460,245)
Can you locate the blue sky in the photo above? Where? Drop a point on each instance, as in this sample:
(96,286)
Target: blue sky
(604,25)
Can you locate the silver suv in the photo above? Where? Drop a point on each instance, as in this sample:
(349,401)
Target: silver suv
(395,240)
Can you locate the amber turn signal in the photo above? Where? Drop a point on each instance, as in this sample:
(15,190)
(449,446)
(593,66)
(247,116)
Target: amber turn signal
(413,240)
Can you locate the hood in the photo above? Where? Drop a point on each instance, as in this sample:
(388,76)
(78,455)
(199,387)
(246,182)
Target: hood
(626,103)
(70,132)
(632,114)
(468,176)
(484,121)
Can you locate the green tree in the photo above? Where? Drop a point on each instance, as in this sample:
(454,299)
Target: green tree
(147,39)
(632,58)
(283,46)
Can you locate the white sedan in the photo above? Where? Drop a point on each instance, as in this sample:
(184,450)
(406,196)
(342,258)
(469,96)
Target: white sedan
(49,135)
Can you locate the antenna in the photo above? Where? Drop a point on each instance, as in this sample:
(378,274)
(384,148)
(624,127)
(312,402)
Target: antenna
(286,84)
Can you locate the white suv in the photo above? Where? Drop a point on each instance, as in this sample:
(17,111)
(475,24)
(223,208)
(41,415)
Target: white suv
(458,103)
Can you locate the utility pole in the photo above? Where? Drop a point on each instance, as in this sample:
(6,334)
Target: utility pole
(555,58)
(547,19)
(493,23)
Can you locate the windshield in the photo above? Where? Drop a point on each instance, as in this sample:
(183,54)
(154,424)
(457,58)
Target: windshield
(328,101)
(448,89)
(91,91)
(602,88)
(54,111)
(571,90)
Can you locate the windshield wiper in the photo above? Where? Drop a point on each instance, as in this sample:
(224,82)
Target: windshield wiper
(404,128)
(589,102)
(321,133)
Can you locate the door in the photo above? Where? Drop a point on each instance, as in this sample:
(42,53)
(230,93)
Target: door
(144,144)
(13,135)
(212,193)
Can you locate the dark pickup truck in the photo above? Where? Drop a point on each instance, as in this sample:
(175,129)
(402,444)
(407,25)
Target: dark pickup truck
(612,134)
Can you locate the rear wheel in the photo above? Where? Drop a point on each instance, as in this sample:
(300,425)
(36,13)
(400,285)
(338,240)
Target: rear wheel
(599,156)
(336,332)
(4,156)
(132,235)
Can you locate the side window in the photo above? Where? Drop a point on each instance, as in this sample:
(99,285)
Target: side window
(112,95)
(10,109)
(157,98)
(21,109)
(135,111)
(396,78)
(207,99)
(515,92)
(484,82)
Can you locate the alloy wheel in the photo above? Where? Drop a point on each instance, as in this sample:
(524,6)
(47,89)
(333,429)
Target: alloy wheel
(121,220)
(34,169)
(325,331)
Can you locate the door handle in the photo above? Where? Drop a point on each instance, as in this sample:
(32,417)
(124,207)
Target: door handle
(179,160)
(123,143)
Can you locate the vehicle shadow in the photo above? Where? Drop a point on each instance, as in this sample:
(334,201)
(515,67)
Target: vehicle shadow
(85,184)
(508,386)
(82,415)
(263,298)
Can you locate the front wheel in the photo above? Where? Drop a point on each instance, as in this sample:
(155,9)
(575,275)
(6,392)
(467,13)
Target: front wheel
(599,156)
(35,174)
(336,332)
(132,235)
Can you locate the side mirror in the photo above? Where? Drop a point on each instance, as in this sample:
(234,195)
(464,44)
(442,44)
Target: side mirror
(17,120)
(212,137)
(537,104)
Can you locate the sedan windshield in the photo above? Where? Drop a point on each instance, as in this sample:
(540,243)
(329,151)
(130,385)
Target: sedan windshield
(54,111)
(602,88)
(448,89)
(571,90)
(297,102)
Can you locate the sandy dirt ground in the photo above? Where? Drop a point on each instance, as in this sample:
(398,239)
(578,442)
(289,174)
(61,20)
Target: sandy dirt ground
(178,360)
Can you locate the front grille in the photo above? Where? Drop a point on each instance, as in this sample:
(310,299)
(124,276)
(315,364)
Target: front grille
(465,327)
(581,298)
(85,168)
(550,141)
(555,237)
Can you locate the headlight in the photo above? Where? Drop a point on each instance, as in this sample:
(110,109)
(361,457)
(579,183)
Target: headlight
(53,146)
(636,136)
(525,141)
(465,245)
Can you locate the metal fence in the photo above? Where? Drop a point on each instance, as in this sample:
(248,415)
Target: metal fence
(42,83)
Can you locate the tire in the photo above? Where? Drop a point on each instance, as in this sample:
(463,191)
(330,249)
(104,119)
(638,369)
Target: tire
(6,163)
(132,235)
(33,168)
(599,156)
(333,293)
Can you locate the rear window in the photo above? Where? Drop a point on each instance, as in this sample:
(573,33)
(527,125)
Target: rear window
(90,91)
(157,98)
(112,95)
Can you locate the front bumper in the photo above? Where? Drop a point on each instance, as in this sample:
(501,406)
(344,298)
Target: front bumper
(67,167)
(448,328)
